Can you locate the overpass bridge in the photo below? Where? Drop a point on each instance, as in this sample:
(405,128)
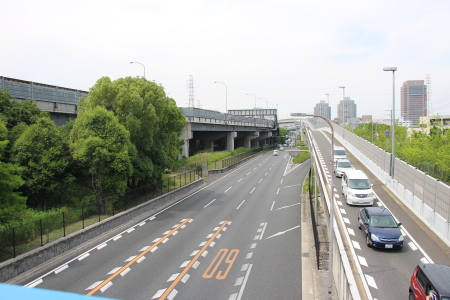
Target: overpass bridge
(205,129)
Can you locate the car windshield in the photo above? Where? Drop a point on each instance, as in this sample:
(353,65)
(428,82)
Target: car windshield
(344,164)
(361,184)
(339,152)
(383,221)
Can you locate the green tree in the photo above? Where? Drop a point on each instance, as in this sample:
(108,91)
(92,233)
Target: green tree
(153,120)
(102,145)
(44,156)
(18,112)
(12,204)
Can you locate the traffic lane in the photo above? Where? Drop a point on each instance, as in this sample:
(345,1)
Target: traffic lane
(94,264)
(251,210)
(434,248)
(213,210)
(71,283)
(234,252)
(143,292)
(276,262)
(374,262)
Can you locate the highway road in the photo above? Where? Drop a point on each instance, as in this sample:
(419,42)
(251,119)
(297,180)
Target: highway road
(387,272)
(236,238)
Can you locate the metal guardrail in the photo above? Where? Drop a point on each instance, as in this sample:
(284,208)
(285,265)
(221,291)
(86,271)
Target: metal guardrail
(344,281)
(22,89)
(192,112)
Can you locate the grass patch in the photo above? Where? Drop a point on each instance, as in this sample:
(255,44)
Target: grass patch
(304,155)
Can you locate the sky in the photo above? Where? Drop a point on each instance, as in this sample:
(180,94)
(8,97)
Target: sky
(285,54)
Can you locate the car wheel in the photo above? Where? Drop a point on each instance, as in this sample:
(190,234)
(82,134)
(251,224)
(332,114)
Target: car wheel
(368,241)
(359,224)
(411,296)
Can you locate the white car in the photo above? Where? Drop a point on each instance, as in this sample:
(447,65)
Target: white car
(342,165)
(281,148)
(275,152)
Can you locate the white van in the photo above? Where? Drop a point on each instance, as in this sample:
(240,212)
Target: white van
(357,188)
(339,153)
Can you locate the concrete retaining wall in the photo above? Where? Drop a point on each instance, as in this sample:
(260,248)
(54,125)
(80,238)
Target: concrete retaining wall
(27,261)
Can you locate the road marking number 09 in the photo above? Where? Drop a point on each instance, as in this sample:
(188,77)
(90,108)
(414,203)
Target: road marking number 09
(217,261)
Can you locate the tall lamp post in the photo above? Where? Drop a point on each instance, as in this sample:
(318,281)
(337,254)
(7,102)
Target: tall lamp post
(343,108)
(393,69)
(226,100)
(253,96)
(135,62)
(267,102)
(330,234)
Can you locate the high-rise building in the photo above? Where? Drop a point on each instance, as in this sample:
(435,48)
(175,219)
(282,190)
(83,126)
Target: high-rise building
(413,101)
(346,111)
(323,109)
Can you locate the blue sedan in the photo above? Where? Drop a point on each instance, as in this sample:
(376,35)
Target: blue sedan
(380,227)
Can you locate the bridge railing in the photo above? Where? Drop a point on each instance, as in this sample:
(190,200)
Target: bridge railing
(22,89)
(192,112)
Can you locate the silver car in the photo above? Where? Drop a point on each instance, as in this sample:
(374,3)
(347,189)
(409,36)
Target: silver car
(342,165)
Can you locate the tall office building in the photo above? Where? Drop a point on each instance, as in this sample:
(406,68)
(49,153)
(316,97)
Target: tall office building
(413,101)
(323,109)
(346,111)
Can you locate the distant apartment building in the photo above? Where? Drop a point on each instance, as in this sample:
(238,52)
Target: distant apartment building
(346,111)
(441,122)
(413,101)
(366,118)
(323,109)
(405,123)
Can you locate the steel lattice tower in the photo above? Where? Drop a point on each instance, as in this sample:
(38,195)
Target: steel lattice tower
(190,85)
(429,106)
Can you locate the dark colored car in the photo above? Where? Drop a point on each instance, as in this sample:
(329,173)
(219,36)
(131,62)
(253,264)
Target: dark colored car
(430,279)
(380,227)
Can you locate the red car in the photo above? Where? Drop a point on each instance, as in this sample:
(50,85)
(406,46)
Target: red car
(430,280)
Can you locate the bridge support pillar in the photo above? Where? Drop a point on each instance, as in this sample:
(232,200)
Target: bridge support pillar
(262,137)
(186,136)
(230,140)
(248,139)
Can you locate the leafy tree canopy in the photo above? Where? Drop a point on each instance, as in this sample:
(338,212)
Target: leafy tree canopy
(44,157)
(153,120)
(102,145)
(12,204)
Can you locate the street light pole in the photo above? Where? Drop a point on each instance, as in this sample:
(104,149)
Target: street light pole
(343,107)
(135,62)
(393,69)
(253,96)
(331,227)
(226,96)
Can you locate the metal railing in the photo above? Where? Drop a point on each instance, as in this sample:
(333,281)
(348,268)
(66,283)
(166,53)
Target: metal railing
(192,112)
(226,162)
(26,237)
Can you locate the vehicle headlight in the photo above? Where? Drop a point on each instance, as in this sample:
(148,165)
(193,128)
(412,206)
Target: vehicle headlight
(400,239)
(352,195)
(370,195)
(374,237)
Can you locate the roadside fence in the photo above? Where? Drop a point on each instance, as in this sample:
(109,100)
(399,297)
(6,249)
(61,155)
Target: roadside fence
(26,237)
